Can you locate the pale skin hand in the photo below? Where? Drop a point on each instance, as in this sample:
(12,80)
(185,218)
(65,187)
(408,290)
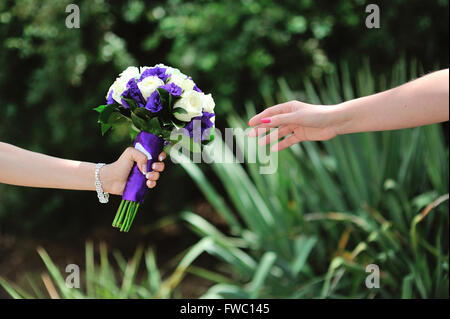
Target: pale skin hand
(419,102)
(25,168)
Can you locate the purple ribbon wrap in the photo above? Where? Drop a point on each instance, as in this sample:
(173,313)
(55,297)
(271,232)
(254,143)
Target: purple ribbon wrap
(151,145)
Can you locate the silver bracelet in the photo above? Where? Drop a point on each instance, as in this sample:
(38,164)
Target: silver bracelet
(102,196)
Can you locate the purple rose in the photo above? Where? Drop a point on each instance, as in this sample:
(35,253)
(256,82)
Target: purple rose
(203,122)
(132,92)
(154,103)
(159,72)
(173,89)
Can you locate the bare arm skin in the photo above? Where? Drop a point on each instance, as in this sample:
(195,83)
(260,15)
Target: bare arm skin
(419,102)
(25,168)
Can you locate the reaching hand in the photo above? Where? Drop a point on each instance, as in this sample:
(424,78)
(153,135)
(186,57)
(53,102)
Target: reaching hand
(296,120)
(420,102)
(114,176)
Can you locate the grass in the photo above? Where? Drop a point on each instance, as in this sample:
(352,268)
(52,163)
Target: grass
(124,279)
(332,208)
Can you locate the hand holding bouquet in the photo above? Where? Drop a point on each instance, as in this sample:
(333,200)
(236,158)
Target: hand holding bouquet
(155,102)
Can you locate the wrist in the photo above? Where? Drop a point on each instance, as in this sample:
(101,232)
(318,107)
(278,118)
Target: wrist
(340,118)
(336,118)
(106,178)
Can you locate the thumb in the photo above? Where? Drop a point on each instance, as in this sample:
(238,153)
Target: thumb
(137,156)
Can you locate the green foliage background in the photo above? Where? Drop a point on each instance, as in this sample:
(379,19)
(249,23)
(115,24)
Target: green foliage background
(51,77)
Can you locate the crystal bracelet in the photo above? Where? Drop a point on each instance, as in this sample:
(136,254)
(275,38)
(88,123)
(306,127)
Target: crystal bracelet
(102,196)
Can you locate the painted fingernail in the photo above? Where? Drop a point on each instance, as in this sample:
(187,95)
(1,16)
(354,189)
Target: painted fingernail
(248,123)
(147,176)
(154,166)
(144,169)
(265,120)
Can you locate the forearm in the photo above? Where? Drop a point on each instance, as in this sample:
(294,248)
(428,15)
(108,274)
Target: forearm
(420,102)
(25,168)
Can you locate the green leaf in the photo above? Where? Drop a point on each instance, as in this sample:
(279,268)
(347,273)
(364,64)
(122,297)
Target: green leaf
(133,105)
(110,115)
(106,112)
(154,126)
(105,128)
(143,113)
(263,271)
(179,110)
(165,102)
(124,111)
(172,101)
(139,122)
(133,132)
(165,134)
(9,289)
(100,108)
(177,123)
(115,117)
(164,95)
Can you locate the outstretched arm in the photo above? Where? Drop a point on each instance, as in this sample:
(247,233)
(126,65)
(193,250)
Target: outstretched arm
(25,168)
(419,102)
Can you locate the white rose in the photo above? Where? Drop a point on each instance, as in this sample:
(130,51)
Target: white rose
(174,71)
(130,72)
(208,103)
(182,81)
(192,102)
(120,84)
(148,85)
(118,87)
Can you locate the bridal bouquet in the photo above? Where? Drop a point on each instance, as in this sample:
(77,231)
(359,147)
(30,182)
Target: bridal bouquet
(159,104)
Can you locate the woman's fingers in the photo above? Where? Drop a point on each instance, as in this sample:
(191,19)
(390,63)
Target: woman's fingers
(158,167)
(137,156)
(258,131)
(152,176)
(141,160)
(275,135)
(288,141)
(287,107)
(162,156)
(271,122)
(278,120)
(151,184)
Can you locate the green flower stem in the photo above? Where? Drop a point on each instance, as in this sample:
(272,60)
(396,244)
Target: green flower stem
(118,213)
(125,215)
(128,217)
(130,222)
